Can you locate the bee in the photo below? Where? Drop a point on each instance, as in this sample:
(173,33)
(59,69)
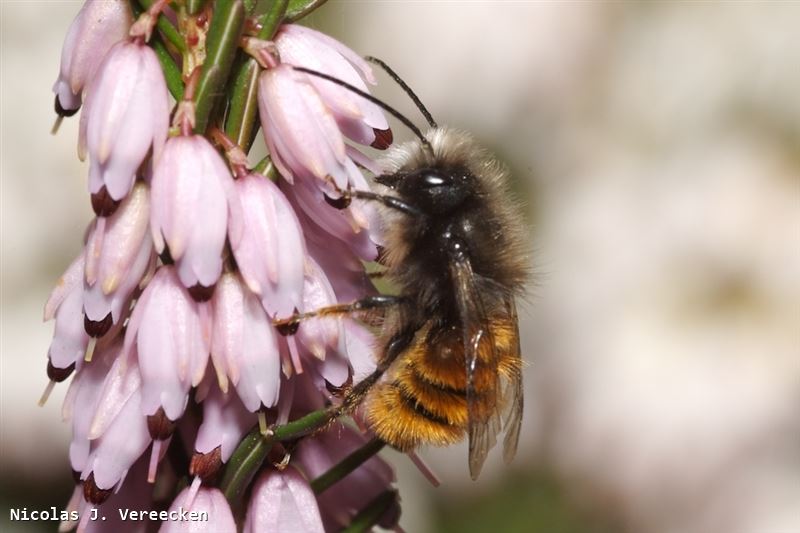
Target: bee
(449,362)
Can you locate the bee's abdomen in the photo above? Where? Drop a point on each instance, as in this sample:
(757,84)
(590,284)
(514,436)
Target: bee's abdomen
(422,402)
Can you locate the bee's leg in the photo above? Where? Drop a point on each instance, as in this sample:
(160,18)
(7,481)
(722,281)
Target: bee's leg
(343,201)
(396,345)
(288,326)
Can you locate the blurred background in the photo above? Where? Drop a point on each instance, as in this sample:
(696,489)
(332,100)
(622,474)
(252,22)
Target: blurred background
(656,147)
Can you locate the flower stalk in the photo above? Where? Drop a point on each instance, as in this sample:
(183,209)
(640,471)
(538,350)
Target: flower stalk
(347,465)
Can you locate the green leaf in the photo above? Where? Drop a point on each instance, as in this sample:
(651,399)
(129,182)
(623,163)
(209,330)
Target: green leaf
(368,517)
(193,7)
(244,463)
(222,44)
(172,73)
(345,466)
(300,8)
(170,33)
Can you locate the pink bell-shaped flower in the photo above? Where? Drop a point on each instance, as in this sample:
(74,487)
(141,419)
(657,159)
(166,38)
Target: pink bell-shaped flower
(208,501)
(191,190)
(283,501)
(66,305)
(126,114)
(119,253)
(359,119)
(271,249)
(170,342)
(96,28)
(300,130)
(245,345)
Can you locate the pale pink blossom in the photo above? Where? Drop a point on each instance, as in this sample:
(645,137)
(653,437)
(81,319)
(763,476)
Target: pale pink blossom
(124,439)
(191,190)
(207,500)
(301,132)
(245,345)
(81,403)
(357,118)
(283,501)
(225,422)
(125,116)
(119,254)
(319,334)
(66,306)
(271,249)
(96,28)
(170,341)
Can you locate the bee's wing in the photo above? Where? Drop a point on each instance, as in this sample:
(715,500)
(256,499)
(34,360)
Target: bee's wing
(483,427)
(512,393)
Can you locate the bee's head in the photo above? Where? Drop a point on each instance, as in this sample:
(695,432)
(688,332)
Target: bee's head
(432,190)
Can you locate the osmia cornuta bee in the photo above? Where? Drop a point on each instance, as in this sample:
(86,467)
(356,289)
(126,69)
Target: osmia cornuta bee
(449,344)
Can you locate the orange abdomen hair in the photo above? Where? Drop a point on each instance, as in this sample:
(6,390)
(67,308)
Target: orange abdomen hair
(424,398)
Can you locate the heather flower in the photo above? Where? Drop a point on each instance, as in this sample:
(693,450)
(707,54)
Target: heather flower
(170,342)
(207,500)
(126,114)
(300,130)
(96,28)
(358,119)
(225,421)
(191,190)
(195,258)
(124,436)
(119,254)
(283,501)
(65,304)
(245,345)
(271,250)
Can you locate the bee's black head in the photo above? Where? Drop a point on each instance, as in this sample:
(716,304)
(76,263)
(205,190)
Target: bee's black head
(432,190)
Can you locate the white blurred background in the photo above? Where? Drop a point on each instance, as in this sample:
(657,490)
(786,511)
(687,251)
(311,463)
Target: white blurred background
(657,147)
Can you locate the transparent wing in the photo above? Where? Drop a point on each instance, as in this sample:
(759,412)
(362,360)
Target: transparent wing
(481,366)
(512,393)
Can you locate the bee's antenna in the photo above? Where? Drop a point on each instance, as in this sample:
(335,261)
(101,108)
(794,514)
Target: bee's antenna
(403,85)
(386,107)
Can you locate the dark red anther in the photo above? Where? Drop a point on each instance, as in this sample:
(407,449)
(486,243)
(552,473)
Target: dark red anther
(206,465)
(97,328)
(94,494)
(160,426)
(391,516)
(103,204)
(200,293)
(339,203)
(76,477)
(61,112)
(383,139)
(59,374)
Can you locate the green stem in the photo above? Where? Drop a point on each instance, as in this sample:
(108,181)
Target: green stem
(252,451)
(266,168)
(166,28)
(241,125)
(300,8)
(369,516)
(222,43)
(347,465)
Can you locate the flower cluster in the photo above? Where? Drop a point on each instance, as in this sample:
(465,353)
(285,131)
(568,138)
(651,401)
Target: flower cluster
(167,317)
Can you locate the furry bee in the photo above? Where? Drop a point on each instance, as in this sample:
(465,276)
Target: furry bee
(449,363)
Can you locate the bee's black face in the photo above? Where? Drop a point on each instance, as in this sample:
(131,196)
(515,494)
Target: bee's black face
(432,190)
